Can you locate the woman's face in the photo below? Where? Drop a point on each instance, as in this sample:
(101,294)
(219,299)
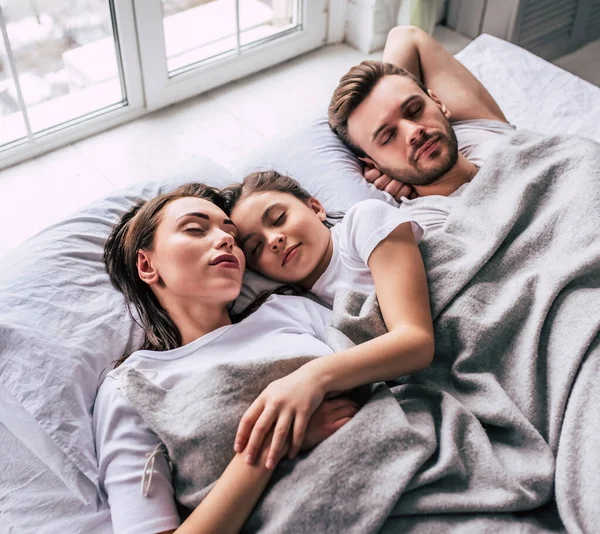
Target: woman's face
(283,237)
(195,255)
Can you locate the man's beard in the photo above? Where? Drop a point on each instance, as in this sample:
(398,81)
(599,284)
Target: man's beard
(443,163)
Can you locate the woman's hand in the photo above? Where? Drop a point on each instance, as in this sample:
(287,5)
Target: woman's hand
(285,405)
(328,418)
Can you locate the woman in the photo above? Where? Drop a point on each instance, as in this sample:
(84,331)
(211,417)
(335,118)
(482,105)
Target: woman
(176,260)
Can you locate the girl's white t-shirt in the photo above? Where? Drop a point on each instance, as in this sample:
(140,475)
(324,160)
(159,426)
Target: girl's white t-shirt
(284,326)
(364,226)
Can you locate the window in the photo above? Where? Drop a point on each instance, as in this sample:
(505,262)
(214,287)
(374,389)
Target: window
(70,68)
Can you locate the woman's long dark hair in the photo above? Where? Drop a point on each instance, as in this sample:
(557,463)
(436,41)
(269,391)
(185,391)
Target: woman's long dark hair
(260,182)
(135,231)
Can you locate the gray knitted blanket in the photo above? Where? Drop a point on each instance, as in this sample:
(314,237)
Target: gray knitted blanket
(500,433)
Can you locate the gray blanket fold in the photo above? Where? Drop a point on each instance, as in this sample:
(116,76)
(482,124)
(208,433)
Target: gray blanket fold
(500,434)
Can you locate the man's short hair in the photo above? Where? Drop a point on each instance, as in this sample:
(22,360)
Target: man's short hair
(354,87)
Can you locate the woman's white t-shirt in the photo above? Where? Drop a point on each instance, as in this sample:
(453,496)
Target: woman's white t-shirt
(284,326)
(363,227)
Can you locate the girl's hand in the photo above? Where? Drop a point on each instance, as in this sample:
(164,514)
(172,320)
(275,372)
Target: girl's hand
(329,417)
(285,404)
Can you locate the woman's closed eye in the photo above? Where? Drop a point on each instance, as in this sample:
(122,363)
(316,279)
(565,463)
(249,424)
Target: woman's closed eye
(280,219)
(194,228)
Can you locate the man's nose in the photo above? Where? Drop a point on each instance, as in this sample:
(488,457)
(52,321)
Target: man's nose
(414,134)
(277,242)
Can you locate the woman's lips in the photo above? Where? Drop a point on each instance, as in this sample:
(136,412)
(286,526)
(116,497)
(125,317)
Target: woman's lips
(229,261)
(290,254)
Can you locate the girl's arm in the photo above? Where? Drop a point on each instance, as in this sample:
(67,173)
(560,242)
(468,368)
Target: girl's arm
(401,286)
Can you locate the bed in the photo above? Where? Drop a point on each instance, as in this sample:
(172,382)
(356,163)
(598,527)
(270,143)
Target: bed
(61,325)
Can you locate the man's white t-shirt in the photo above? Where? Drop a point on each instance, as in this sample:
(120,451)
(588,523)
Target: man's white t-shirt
(476,140)
(364,226)
(284,326)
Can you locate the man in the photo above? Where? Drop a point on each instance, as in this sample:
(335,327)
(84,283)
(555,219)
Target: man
(402,117)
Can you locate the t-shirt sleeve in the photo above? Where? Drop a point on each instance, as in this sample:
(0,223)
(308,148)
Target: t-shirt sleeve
(122,442)
(368,223)
(313,316)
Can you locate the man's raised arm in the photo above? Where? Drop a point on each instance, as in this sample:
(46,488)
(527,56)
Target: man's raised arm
(416,51)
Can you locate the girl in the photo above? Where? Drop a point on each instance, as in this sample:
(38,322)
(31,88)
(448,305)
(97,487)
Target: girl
(176,261)
(285,236)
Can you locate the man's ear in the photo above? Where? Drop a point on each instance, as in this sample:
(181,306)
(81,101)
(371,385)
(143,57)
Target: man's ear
(368,161)
(146,270)
(317,207)
(439,103)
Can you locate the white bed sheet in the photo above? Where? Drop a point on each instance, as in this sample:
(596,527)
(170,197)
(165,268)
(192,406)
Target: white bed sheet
(532,93)
(33,500)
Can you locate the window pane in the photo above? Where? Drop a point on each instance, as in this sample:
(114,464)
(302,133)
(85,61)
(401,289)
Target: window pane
(280,16)
(197,30)
(65,56)
(12,125)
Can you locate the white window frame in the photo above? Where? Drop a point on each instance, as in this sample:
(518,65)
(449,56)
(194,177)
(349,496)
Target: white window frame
(161,90)
(144,69)
(92,123)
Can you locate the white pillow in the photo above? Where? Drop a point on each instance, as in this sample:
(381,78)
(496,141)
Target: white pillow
(62,324)
(315,157)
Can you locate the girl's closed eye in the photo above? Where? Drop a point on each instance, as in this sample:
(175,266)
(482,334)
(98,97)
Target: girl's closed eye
(280,219)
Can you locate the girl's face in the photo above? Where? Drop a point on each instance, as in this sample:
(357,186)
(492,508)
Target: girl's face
(195,255)
(283,237)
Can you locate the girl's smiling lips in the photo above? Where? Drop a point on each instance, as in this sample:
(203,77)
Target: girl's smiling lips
(226,260)
(290,253)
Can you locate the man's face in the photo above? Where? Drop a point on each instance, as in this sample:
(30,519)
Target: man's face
(404,131)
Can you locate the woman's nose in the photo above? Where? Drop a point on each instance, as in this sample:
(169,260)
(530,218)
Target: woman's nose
(277,243)
(226,240)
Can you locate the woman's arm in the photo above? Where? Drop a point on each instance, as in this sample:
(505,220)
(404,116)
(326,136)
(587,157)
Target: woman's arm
(230,502)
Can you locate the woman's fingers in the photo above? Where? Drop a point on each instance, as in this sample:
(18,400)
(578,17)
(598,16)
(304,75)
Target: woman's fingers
(345,411)
(282,429)
(257,437)
(246,424)
(336,425)
(300,423)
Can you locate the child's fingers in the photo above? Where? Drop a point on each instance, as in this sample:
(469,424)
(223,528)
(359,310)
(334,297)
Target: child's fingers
(247,424)
(280,434)
(300,423)
(260,430)
(344,404)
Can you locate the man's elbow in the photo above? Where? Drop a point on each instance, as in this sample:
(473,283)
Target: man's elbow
(403,36)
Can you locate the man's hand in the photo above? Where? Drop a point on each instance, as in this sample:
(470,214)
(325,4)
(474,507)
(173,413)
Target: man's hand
(384,183)
(329,417)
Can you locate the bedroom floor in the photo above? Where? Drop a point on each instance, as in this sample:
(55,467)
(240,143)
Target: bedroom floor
(219,124)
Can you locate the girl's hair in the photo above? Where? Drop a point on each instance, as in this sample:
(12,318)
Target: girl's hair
(136,231)
(260,182)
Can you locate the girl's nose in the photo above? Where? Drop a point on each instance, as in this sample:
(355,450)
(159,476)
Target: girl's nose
(277,243)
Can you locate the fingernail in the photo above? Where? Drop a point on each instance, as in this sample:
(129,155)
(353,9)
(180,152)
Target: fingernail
(269,464)
(237,447)
(249,459)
